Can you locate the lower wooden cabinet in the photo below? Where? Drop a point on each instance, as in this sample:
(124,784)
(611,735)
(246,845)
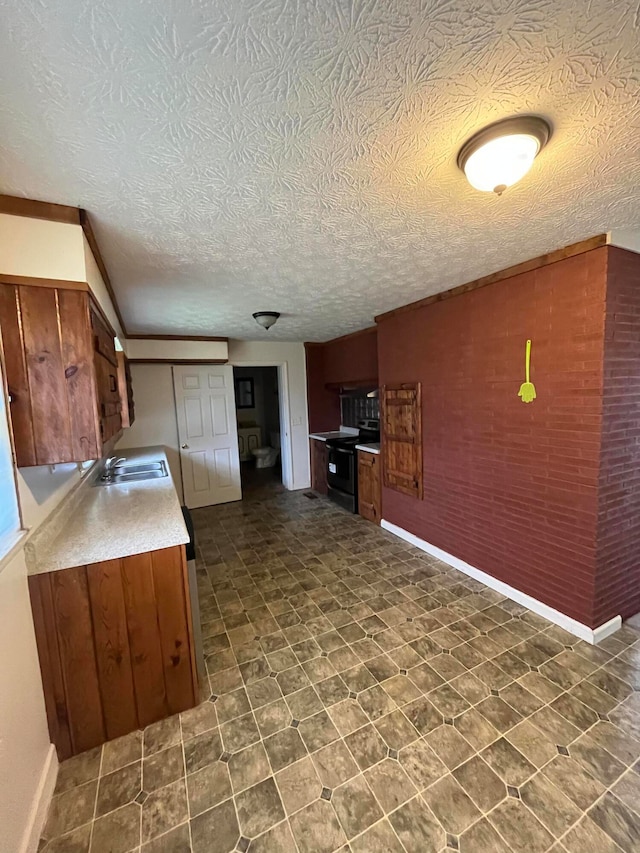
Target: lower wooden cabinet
(369,486)
(115,643)
(318,451)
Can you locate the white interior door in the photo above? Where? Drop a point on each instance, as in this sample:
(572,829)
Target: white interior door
(207,432)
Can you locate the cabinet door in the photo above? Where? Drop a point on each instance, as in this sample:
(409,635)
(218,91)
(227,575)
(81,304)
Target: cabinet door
(50,375)
(319,466)
(253,443)
(125,390)
(369,486)
(109,405)
(402,438)
(108,386)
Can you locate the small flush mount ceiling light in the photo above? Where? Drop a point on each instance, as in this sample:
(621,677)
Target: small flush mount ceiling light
(501,154)
(266,319)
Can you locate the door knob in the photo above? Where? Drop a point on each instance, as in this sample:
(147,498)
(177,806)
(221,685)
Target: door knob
(184,446)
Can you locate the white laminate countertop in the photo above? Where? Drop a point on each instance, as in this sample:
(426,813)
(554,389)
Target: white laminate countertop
(369,448)
(97,523)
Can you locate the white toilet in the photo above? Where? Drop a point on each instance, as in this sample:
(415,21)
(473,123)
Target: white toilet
(266,457)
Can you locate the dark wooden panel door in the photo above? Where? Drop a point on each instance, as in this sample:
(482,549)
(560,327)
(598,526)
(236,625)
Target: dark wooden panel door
(144,639)
(16,374)
(125,389)
(79,374)
(111,642)
(169,578)
(45,374)
(50,663)
(77,655)
(318,452)
(402,438)
(369,498)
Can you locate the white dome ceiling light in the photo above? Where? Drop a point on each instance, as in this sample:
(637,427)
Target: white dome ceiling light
(266,319)
(501,154)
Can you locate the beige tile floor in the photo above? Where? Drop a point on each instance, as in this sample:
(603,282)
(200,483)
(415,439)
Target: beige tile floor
(366,698)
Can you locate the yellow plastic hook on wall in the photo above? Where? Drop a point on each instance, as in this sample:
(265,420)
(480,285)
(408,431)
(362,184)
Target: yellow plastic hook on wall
(527,391)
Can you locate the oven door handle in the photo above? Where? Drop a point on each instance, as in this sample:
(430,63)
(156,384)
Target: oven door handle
(342,450)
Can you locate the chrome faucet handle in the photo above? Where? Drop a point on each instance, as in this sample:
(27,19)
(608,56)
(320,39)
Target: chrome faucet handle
(111,462)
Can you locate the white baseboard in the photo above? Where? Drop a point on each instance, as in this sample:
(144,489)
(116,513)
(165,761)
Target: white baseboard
(590,635)
(41,801)
(606,629)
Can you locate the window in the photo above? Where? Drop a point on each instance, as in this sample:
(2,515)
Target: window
(245,394)
(9,512)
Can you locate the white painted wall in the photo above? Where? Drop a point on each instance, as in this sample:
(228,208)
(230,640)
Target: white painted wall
(42,249)
(27,760)
(178,350)
(99,289)
(155,421)
(626,238)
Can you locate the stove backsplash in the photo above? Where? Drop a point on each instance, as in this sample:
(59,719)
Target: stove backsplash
(357,405)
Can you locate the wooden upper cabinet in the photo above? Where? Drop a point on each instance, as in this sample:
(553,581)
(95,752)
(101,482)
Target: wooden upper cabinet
(125,386)
(401,410)
(61,371)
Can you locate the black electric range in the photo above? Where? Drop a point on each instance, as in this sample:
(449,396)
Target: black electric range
(342,467)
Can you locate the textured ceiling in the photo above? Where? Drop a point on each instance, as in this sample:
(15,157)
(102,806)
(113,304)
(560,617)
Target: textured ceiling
(299,155)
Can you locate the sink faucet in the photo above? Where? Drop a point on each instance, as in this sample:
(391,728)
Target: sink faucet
(109,465)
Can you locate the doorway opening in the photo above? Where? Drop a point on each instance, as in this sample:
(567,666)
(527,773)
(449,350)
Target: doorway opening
(258,404)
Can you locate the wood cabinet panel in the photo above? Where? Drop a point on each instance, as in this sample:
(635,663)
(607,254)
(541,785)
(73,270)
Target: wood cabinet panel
(369,486)
(169,574)
(77,657)
(125,388)
(144,639)
(115,644)
(45,374)
(61,371)
(104,342)
(318,452)
(111,641)
(401,411)
(79,373)
(16,373)
(50,663)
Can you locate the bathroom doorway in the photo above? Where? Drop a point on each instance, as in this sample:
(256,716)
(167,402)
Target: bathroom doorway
(258,415)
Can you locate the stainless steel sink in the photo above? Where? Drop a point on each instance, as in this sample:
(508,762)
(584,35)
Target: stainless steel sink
(143,475)
(134,473)
(140,468)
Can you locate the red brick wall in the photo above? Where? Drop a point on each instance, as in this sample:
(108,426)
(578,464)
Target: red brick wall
(510,488)
(323,405)
(618,567)
(350,360)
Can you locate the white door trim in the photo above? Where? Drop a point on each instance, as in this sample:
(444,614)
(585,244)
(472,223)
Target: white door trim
(286,446)
(590,635)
